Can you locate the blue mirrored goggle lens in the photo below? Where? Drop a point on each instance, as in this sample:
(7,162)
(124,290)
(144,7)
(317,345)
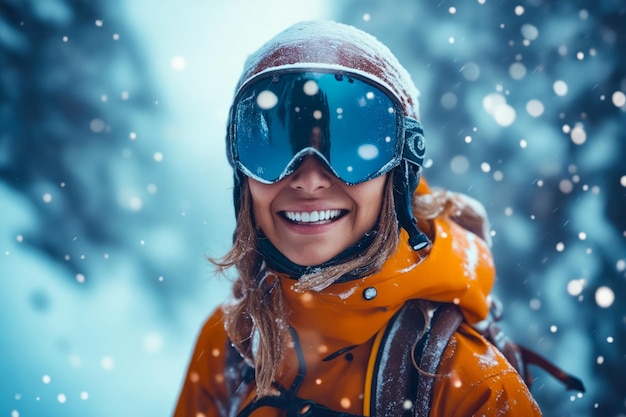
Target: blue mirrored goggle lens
(349,123)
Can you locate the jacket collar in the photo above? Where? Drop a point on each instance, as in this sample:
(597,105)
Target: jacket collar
(278,262)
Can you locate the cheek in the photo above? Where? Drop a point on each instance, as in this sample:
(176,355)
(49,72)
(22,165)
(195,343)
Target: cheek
(369,197)
(374,210)
(262,196)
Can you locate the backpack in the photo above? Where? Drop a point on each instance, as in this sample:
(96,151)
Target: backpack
(402,333)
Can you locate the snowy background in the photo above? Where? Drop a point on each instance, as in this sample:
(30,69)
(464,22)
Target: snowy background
(114,185)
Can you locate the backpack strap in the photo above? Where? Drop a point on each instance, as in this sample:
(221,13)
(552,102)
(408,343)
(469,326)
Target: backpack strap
(520,357)
(399,389)
(445,322)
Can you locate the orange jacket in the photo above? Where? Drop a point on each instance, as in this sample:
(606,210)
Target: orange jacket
(459,269)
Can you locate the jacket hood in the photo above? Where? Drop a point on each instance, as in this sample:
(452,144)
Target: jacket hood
(459,270)
(331,44)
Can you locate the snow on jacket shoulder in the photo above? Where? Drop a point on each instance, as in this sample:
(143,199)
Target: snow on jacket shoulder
(476,380)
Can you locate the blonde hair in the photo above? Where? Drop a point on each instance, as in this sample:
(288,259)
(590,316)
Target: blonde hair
(461,208)
(257,309)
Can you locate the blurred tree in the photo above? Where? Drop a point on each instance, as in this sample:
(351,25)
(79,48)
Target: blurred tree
(74,92)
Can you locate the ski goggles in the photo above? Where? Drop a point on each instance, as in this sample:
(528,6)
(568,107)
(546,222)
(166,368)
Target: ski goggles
(352,124)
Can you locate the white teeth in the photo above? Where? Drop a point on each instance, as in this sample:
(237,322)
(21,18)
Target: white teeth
(312,216)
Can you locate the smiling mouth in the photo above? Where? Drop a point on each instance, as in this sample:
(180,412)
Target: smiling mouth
(313,217)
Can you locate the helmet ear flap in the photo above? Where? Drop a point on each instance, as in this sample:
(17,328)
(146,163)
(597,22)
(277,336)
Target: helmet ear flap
(406,177)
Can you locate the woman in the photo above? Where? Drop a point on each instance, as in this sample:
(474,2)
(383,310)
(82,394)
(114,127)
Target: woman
(347,261)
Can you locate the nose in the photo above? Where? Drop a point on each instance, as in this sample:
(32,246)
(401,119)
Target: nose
(311,176)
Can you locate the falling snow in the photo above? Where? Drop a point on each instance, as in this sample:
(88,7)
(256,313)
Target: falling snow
(114,177)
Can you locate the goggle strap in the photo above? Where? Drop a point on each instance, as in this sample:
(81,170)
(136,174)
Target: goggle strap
(414,143)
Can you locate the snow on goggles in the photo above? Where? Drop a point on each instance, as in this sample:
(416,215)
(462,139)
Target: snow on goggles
(352,124)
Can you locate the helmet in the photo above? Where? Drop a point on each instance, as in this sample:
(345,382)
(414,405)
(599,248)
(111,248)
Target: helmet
(338,48)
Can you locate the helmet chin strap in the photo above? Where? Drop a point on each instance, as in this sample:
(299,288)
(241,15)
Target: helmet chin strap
(404,184)
(406,176)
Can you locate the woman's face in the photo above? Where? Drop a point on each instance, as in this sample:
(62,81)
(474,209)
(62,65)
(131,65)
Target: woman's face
(311,216)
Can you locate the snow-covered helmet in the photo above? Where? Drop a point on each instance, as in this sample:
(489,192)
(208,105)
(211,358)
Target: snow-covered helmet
(330,70)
